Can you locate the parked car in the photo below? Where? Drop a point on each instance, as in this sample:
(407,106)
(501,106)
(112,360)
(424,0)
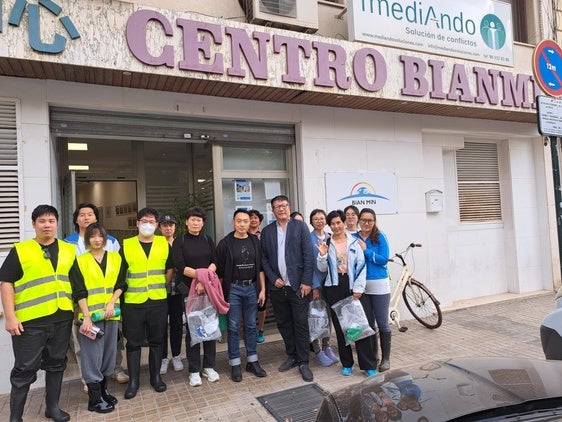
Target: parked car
(551,331)
(460,389)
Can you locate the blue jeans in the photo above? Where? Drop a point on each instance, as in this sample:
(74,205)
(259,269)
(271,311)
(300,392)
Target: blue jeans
(243,304)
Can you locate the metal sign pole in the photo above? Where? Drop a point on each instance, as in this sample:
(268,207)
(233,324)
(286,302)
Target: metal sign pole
(557,192)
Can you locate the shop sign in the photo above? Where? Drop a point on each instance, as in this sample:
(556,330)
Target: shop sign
(214,49)
(479,30)
(58,42)
(377,191)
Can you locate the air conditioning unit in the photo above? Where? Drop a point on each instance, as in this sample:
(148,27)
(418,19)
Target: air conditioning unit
(296,15)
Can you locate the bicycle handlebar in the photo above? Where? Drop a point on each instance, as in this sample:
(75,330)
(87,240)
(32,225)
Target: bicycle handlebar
(401,254)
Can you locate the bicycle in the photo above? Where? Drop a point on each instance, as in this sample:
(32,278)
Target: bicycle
(421,303)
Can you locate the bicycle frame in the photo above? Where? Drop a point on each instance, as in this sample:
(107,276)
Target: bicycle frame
(394,313)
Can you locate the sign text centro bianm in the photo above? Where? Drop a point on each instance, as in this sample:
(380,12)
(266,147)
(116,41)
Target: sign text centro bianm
(479,30)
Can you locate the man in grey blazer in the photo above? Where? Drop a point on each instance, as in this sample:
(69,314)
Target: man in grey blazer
(288,262)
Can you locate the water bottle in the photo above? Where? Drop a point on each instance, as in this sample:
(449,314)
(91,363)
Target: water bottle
(94,333)
(100,316)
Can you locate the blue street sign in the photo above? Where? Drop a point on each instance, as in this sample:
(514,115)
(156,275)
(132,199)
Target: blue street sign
(547,66)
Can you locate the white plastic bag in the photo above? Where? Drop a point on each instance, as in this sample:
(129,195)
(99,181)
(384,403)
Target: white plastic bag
(202,319)
(318,320)
(353,320)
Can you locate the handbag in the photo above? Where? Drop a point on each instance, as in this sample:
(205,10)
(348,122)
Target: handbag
(353,320)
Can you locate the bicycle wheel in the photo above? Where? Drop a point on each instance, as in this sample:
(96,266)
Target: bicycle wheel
(422,304)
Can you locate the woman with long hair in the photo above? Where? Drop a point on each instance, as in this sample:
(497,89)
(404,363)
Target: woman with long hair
(376,299)
(344,264)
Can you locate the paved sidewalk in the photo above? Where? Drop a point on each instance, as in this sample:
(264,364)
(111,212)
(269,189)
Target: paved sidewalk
(507,328)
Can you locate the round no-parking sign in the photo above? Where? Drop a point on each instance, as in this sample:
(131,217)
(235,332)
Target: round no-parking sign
(547,66)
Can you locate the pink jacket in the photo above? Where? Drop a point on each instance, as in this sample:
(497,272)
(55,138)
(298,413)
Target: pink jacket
(213,288)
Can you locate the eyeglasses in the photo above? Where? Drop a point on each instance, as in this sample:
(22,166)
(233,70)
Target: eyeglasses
(46,253)
(367,221)
(318,220)
(281,206)
(143,221)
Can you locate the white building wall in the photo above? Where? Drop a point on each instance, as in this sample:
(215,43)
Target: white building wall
(458,261)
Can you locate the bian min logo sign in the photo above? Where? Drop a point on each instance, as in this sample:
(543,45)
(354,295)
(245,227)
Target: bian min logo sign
(364,193)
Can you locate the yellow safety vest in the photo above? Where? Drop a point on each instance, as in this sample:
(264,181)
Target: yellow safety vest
(43,290)
(100,287)
(146,277)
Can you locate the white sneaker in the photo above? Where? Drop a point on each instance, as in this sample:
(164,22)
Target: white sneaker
(120,376)
(177,363)
(210,374)
(164,366)
(194,379)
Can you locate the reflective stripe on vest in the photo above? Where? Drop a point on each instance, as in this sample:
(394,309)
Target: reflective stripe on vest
(146,277)
(99,285)
(43,289)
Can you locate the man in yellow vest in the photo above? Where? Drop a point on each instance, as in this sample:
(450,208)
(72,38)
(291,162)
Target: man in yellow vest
(144,310)
(37,301)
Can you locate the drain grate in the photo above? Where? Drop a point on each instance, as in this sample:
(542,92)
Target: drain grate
(299,404)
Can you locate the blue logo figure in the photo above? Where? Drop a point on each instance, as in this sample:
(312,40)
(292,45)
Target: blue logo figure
(362,190)
(493,31)
(35,42)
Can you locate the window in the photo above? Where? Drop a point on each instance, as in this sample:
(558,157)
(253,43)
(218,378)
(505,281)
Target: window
(519,16)
(9,182)
(478,183)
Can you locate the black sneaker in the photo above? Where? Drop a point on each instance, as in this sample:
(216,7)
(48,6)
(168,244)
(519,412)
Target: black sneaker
(256,369)
(306,372)
(288,364)
(236,373)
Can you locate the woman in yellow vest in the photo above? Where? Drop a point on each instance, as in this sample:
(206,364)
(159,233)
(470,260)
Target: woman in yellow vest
(99,280)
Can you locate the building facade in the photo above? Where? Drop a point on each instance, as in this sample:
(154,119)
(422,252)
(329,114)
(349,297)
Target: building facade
(226,103)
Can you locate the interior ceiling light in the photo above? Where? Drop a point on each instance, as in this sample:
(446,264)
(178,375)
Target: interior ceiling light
(77,146)
(78,167)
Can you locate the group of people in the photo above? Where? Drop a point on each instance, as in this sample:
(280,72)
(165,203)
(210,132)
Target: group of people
(46,284)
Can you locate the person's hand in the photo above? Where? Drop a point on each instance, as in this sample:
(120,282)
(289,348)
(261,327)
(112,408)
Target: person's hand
(86,325)
(261,297)
(14,327)
(362,244)
(200,289)
(109,310)
(322,248)
(305,290)
(357,296)
(315,293)
(279,283)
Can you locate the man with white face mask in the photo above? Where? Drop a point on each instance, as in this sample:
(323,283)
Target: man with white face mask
(148,259)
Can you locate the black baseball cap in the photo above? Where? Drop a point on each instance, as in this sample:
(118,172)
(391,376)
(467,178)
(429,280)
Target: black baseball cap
(167,218)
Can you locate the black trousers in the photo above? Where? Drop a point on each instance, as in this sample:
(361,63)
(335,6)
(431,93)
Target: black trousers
(194,354)
(40,346)
(291,315)
(175,316)
(142,323)
(364,347)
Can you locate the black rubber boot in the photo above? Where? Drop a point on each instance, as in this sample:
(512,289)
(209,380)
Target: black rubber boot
(18,396)
(385,350)
(53,385)
(375,344)
(133,366)
(95,402)
(154,361)
(105,394)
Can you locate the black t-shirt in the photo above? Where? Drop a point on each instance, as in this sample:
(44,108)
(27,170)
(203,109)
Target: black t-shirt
(244,259)
(11,271)
(193,251)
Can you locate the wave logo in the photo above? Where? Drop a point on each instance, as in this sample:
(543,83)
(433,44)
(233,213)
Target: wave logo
(363,192)
(34,27)
(493,31)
